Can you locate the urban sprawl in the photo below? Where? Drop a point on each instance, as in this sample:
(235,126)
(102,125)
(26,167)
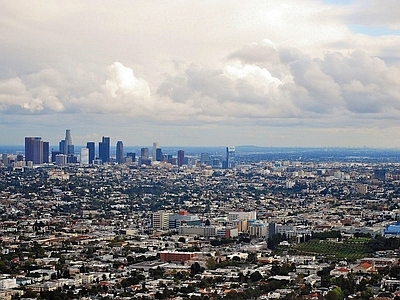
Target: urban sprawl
(151,225)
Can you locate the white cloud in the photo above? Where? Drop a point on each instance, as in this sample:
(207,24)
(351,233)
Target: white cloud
(14,95)
(37,93)
(122,80)
(374,13)
(283,62)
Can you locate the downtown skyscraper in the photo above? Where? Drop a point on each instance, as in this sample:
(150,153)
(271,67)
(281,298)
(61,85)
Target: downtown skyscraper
(120,152)
(230,161)
(65,146)
(156,145)
(181,158)
(104,149)
(92,151)
(36,150)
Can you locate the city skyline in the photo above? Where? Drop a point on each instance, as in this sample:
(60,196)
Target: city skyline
(277,73)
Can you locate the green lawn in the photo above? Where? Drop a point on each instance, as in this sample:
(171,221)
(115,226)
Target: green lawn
(350,250)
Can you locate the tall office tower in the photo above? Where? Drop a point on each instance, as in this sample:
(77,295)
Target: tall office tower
(230,157)
(181,157)
(271,229)
(72,159)
(37,151)
(160,220)
(104,149)
(68,142)
(84,156)
(131,155)
(29,148)
(34,150)
(120,152)
(71,149)
(61,146)
(167,158)
(204,158)
(92,151)
(46,152)
(156,145)
(159,155)
(53,155)
(144,153)
(144,156)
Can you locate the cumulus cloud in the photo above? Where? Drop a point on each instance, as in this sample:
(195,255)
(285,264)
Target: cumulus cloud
(123,81)
(36,93)
(123,93)
(261,82)
(265,80)
(15,96)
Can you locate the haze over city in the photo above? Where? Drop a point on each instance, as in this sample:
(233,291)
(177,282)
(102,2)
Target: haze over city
(202,73)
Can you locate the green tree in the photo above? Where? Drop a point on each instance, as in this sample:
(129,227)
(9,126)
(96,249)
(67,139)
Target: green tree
(211,264)
(256,276)
(195,269)
(335,294)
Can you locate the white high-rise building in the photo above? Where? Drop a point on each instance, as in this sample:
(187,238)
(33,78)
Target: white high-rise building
(242,215)
(155,146)
(84,156)
(161,220)
(258,229)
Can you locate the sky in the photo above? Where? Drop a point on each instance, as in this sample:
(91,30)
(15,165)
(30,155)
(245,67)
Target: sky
(287,73)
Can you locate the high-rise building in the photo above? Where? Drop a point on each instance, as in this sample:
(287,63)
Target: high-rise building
(38,151)
(46,152)
(61,159)
(181,157)
(271,229)
(132,155)
(61,146)
(104,149)
(159,155)
(156,145)
(29,148)
(120,152)
(160,220)
(144,153)
(144,156)
(53,155)
(230,161)
(167,158)
(92,151)
(72,159)
(65,146)
(71,149)
(68,146)
(204,158)
(34,150)
(84,153)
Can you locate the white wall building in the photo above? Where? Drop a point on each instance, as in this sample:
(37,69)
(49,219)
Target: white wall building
(258,229)
(8,283)
(242,215)
(160,220)
(84,153)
